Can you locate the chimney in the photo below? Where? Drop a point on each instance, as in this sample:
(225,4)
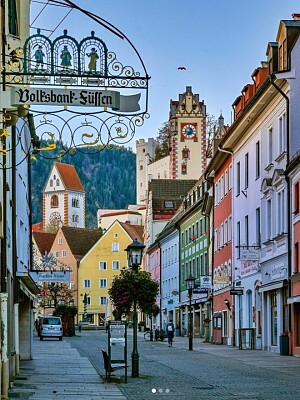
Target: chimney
(296,16)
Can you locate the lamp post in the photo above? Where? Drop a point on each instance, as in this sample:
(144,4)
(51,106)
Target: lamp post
(134,257)
(190,283)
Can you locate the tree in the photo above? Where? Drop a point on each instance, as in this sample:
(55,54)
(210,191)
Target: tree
(132,286)
(163,139)
(55,293)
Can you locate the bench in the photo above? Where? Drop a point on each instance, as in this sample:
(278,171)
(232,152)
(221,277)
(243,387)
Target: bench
(112,366)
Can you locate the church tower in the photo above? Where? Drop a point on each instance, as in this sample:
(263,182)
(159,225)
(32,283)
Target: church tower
(187,123)
(63,198)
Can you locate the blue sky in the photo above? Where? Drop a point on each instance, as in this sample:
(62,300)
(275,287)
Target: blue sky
(219,42)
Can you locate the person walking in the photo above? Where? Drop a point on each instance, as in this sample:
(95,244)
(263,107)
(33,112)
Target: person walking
(170,332)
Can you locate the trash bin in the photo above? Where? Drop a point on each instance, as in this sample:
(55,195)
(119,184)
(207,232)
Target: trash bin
(284,345)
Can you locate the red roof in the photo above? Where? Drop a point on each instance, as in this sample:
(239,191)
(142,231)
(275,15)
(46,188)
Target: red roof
(134,231)
(38,227)
(69,177)
(44,241)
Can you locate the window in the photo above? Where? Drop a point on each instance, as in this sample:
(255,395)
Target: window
(88,300)
(216,240)
(115,265)
(57,254)
(201,227)
(183,169)
(257,159)
(221,235)
(169,204)
(226,182)
(13,18)
(274,332)
(57,182)
(102,283)
(230,178)
(270,138)
(115,247)
(102,265)
(269,219)
(229,228)
(216,194)
(64,253)
(257,231)
(86,283)
(51,183)
(75,218)
(296,258)
(70,269)
(182,239)
(238,238)
(282,133)
(280,212)
(222,187)
(246,170)
(247,230)
(54,201)
(225,231)
(75,202)
(185,153)
(296,198)
(238,178)
(102,300)
(60,240)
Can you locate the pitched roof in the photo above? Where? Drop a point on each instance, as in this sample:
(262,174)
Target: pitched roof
(111,214)
(134,231)
(69,177)
(80,240)
(44,241)
(169,190)
(38,227)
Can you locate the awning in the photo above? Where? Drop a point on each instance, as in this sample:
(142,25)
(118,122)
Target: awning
(271,286)
(294,299)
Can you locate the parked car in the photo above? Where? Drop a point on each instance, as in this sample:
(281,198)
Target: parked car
(51,327)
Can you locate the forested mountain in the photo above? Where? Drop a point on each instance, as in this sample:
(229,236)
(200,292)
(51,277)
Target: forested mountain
(108,177)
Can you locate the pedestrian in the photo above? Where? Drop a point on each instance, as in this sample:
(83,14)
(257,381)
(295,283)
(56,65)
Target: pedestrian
(79,326)
(170,332)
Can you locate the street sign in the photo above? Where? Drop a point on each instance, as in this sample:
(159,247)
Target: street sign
(237,292)
(199,290)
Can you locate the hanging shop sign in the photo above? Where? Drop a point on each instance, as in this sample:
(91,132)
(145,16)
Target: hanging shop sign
(75,97)
(50,276)
(249,254)
(205,282)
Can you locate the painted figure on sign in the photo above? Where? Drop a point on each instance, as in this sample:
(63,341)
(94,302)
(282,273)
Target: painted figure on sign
(65,57)
(93,60)
(39,57)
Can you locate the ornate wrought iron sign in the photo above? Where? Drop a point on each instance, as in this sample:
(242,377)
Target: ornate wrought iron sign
(92,99)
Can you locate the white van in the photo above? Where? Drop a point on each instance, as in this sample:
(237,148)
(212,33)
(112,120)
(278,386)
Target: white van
(51,327)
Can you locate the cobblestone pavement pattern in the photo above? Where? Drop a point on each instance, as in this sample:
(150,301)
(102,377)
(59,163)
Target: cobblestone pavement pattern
(209,372)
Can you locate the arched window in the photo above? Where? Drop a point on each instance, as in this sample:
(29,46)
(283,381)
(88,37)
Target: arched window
(57,182)
(54,201)
(51,183)
(186,154)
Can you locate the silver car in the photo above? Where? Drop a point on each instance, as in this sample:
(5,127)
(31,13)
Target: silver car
(51,327)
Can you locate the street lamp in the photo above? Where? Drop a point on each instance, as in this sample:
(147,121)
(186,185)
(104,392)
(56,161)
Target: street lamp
(190,283)
(134,257)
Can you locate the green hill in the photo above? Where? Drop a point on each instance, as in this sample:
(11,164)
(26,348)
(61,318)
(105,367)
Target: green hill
(109,179)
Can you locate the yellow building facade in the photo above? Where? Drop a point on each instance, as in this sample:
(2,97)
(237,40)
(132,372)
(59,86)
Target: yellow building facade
(97,269)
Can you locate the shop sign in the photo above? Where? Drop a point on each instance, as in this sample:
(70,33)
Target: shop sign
(249,254)
(50,276)
(75,97)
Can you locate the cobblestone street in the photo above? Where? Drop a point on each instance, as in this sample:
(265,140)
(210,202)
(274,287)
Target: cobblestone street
(208,372)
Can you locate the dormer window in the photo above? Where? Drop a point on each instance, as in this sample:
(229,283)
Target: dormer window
(169,204)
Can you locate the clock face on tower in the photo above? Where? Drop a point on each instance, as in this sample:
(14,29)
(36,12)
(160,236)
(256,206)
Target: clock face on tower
(188,131)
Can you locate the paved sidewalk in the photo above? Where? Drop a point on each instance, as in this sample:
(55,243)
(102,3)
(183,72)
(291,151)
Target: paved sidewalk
(58,372)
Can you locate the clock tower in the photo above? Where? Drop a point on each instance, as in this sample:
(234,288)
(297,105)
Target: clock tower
(187,122)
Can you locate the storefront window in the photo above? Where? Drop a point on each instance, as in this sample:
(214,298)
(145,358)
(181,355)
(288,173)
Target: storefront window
(274,332)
